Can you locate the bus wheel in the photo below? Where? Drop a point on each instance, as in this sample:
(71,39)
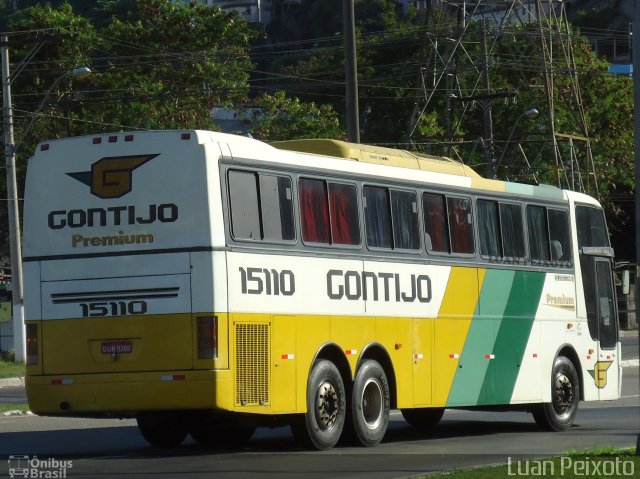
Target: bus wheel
(423,417)
(223,438)
(560,413)
(161,430)
(321,426)
(370,403)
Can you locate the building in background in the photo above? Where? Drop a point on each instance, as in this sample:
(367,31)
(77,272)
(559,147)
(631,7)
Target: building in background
(253,11)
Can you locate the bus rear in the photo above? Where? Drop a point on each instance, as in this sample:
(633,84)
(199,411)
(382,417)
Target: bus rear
(119,241)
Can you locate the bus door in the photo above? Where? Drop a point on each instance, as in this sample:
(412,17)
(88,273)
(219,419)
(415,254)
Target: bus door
(602,317)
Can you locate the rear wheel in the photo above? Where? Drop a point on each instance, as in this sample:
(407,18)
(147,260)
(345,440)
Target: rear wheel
(370,403)
(161,430)
(560,413)
(321,426)
(423,417)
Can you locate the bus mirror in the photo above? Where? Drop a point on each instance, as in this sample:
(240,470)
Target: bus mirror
(625,282)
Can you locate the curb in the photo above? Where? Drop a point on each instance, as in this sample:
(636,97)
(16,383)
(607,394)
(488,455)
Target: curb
(12,382)
(630,363)
(16,412)
(631,333)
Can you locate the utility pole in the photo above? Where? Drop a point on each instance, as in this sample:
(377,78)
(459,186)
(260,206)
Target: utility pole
(487,105)
(351,72)
(636,132)
(12,208)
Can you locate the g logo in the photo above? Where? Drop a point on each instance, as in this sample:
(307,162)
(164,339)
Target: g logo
(111,177)
(599,373)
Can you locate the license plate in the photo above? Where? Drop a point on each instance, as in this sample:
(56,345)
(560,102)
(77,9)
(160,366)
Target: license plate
(117,347)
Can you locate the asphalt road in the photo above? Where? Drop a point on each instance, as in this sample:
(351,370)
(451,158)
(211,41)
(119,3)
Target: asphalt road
(12,395)
(629,347)
(106,448)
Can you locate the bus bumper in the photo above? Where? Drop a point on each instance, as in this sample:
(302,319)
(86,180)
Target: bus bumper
(125,394)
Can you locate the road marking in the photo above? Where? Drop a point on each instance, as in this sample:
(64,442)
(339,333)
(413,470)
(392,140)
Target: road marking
(630,363)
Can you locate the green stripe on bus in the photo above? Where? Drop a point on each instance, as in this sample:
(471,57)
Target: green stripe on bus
(512,337)
(470,375)
(540,191)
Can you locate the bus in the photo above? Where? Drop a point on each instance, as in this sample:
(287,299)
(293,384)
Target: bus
(208,284)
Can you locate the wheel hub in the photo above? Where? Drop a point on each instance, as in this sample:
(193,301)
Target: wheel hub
(372,403)
(326,405)
(563,394)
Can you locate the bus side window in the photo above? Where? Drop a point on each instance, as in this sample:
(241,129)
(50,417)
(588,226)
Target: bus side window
(512,230)
(391,218)
(538,233)
(314,210)
(261,206)
(489,229)
(243,199)
(435,223)
(343,208)
(328,212)
(276,207)
(559,235)
(377,214)
(460,225)
(404,210)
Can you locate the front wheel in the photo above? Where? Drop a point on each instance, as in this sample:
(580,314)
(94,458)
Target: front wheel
(560,413)
(370,403)
(321,426)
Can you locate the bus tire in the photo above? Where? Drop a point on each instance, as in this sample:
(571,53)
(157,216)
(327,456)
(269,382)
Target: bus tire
(370,403)
(321,426)
(160,430)
(560,413)
(423,417)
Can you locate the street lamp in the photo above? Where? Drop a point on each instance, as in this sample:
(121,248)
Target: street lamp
(530,114)
(10,148)
(79,73)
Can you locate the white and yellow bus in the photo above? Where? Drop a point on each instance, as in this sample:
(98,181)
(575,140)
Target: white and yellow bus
(208,284)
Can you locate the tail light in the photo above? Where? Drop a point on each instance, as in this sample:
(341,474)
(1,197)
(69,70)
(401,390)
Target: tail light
(207,337)
(32,344)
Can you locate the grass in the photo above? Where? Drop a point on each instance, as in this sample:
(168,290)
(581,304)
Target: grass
(11,370)
(601,451)
(13,407)
(597,463)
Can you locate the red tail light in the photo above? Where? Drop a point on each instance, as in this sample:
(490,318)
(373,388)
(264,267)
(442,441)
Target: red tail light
(32,344)
(207,337)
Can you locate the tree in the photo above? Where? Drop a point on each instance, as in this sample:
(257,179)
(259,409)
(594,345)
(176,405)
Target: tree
(279,117)
(159,65)
(166,65)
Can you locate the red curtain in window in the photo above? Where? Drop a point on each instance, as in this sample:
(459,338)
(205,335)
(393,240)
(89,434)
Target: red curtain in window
(461,239)
(314,211)
(435,224)
(339,205)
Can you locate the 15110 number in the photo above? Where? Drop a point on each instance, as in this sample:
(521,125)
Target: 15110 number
(267,281)
(113,308)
